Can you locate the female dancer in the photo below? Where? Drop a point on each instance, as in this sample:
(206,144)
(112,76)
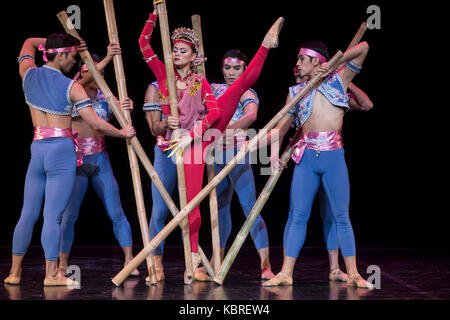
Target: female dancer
(196,103)
(95,167)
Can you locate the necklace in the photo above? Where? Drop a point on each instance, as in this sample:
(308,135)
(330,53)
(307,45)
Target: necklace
(181,81)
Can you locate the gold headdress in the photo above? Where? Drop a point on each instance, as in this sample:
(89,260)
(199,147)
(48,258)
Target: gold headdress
(187,35)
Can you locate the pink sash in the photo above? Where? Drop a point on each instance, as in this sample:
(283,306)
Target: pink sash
(319,141)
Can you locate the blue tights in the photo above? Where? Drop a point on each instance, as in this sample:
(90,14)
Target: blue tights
(330,169)
(97,169)
(50,176)
(241,180)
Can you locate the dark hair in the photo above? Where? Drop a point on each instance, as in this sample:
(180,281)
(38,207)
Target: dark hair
(318,46)
(235,53)
(96,59)
(59,40)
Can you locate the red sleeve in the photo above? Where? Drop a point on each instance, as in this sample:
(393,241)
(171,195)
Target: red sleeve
(213,108)
(157,67)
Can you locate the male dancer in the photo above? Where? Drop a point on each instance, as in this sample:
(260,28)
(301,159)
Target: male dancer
(95,166)
(320,157)
(358,100)
(241,177)
(51,173)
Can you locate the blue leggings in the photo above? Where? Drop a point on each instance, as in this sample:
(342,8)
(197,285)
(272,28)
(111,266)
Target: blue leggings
(167,172)
(330,169)
(242,181)
(97,168)
(329,226)
(51,175)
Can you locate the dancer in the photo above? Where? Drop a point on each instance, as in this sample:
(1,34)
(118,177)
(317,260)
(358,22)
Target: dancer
(95,167)
(320,157)
(358,100)
(195,96)
(51,173)
(241,177)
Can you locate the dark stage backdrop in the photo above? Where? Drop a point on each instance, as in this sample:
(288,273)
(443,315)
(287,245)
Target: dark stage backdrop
(394,201)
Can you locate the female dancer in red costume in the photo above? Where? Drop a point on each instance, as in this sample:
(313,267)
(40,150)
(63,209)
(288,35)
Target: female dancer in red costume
(196,102)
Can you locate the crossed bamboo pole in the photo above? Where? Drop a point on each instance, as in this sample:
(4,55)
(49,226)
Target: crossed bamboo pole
(165,232)
(268,188)
(168,61)
(210,170)
(134,164)
(137,147)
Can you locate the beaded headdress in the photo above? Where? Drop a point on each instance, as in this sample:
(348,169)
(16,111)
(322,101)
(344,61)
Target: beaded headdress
(186,35)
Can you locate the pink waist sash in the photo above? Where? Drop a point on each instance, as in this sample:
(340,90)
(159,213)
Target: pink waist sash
(91,145)
(319,141)
(47,132)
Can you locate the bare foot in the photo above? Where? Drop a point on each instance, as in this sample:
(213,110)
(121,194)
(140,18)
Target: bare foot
(13,280)
(267,274)
(279,280)
(59,280)
(134,273)
(355,280)
(338,275)
(271,38)
(200,274)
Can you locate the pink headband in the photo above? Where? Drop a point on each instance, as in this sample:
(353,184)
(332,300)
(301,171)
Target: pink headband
(233,60)
(56,50)
(312,53)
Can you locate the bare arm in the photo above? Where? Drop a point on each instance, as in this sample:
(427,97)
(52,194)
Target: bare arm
(92,119)
(29,47)
(250,113)
(157,126)
(360,100)
(356,55)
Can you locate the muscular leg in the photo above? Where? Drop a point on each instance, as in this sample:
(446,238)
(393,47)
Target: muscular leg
(70,216)
(330,237)
(167,172)
(336,185)
(32,203)
(60,167)
(304,186)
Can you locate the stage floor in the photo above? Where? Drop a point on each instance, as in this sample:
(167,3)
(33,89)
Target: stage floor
(405,274)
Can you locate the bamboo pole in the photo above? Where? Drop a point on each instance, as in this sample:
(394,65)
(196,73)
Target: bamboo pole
(138,259)
(134,164)
(268,188)
(87,59)
(210,170)
(137,147)
(258,206)
(167,49)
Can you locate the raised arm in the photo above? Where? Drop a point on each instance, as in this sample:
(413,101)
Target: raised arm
(353,58)
(157,67)
(28,54)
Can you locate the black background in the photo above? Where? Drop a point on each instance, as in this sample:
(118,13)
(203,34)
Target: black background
(397,174)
